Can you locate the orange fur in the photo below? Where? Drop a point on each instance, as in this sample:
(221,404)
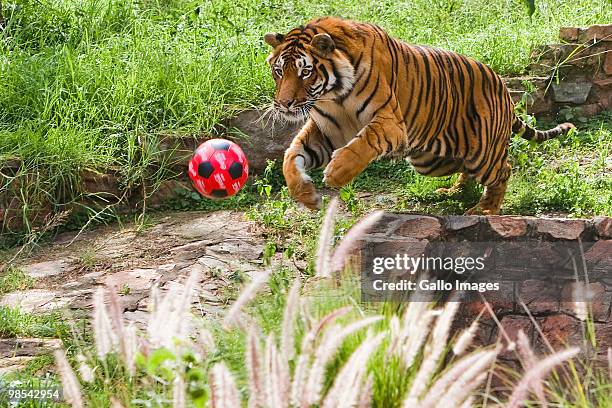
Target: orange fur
(367,95)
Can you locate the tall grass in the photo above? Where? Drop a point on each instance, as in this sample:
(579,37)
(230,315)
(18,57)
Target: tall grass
(323,350)
(94,83)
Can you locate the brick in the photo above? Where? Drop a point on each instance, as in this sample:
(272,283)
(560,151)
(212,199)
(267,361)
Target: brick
(459,222)
(562,229)
(591,109)
(568,33)
(561,331)
(608,64)
(510,326)
(508,227)
(595,33)
(599,256)
(603,335)
(539,296)
(596,295)
(419,227)
(603,225)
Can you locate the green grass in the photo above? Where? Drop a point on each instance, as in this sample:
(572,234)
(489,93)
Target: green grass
(94,84)
(13,279)
(17,323)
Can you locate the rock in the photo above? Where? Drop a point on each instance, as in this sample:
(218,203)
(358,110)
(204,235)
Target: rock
(101,185)
(27,346)
(563,229)
(133,280)
(591,109)
(385,224)
(595,32)
(560,331)
(510,326)
(237,248)
(603,335)
(10,365)
(419,227)
(459,222)
(599,257)
(47,268)
(211,227)
(568,33)
(574,92)
(608,64)
(593,296)
(508,227)
(261,140)
(603,225)
(539,296)
(33,300)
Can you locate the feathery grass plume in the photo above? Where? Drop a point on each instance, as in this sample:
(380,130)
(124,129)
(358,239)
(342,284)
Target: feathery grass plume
(300,373)
(416,337)
(104,336)
(466,337)
(610,362)
(433,353)
(246,295)
(579,294)
(537,374)
(254,371)
(223,391)
(276,378)
(170,320)
(206,342)
(70,383)
(116,317)
(85,371)
(471,378)
(332,341)
(115,403)
(468,403)
(130,348)
(441,386)
(287,342)
(366,393)
(344,391)
(326,237)
(178,391)
(401,329)
(349,241)
(529,361)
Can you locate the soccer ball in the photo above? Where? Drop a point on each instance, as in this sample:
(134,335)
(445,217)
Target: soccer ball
(218,168)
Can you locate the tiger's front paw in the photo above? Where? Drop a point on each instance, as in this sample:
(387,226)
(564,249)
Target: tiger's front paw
(306,194)
(343,167)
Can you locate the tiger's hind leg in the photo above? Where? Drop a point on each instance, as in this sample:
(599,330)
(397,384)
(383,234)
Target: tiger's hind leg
(457,187)
(493,196)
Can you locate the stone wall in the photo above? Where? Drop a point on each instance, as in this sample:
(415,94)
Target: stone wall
(573,75)
(549,301)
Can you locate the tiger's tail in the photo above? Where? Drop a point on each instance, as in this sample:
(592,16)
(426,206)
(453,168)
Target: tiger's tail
(523,130)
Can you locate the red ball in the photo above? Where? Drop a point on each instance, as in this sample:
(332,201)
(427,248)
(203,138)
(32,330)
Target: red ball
(218,168)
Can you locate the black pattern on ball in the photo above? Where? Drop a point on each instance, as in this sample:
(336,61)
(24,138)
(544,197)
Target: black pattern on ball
(235,170)
(205,169)
(218,193)
(221,144)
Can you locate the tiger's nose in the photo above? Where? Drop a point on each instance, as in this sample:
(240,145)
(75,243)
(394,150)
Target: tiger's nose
(287,103)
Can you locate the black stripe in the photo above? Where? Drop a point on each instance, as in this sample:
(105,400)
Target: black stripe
(369,98)
(327,116)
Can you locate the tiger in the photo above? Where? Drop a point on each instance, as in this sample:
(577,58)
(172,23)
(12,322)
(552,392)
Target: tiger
(365,95)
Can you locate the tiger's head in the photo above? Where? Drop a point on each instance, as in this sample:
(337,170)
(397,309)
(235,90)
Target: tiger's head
(307,68)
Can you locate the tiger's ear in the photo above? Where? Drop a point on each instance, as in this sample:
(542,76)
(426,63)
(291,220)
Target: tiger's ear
(323,43)
(274,39)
